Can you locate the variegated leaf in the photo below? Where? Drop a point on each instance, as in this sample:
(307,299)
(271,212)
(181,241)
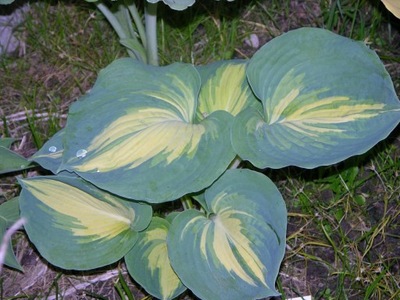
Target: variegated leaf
(77,226)
(325,98)
(225,88)
(235,252)
(148,262)
(135,133)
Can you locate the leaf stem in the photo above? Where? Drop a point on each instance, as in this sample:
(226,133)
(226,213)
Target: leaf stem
(187,202)
(112,19)
(116,25)
(139,23)
(125,20)
(150,15)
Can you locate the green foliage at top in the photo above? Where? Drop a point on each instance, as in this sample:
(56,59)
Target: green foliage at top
(177,5)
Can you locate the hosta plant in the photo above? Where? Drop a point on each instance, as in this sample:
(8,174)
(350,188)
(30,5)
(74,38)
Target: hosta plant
(147,135)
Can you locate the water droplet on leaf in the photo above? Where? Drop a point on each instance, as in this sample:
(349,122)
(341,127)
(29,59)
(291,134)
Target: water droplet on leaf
(52,149)
(81,153)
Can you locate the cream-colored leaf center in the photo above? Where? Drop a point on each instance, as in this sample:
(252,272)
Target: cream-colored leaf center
(80,212)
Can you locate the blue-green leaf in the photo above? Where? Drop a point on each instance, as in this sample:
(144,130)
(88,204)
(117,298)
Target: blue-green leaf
(235,252)
(6,1)
(135,134)
(325,98)
(148,262)
(176,4)
(77,226)
(11,161)
(6,142)
(200,198)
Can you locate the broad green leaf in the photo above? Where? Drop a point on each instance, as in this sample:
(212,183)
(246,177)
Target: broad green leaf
(9,214)
(171,216)
(135,134)
(200,198)
(176,4)
(325,98)
(77,226)
(11,161)
(148,262)
(9,211)
(6,142)
(225,88)
(50,155)
(393,6)
(235,252)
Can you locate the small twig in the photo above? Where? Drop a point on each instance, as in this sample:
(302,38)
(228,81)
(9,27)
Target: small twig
(373,169)
(235,163)
(23,115)
(22,143)
(6,239)
(83,285)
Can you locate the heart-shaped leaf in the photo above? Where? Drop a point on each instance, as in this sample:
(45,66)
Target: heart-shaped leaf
(148,262)
(77,226)
(135,134)
(235,252)
(322,95)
